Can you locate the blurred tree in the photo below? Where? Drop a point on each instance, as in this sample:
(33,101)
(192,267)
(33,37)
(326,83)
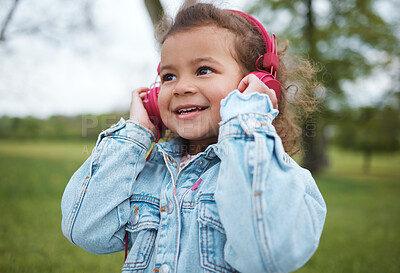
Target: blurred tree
(51,22)
(350,38)
(377,130)
(7,20)
(57,127)
(156,10)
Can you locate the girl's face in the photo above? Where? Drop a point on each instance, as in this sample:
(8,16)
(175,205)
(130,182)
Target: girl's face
(197,71)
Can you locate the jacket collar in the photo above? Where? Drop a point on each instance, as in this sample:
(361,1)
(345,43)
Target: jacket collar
(176,148)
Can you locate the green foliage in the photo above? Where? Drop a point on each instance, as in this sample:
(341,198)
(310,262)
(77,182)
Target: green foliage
(360,234)
(348,37)
(57,127)
(369,129)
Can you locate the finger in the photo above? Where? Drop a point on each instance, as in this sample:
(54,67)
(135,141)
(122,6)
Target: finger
(138,93)
(251,83)
(244,83)
(138,96)
(141,90)
(272,97)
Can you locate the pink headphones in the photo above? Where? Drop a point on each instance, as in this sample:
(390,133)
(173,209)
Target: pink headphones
(266,75)
(151,105)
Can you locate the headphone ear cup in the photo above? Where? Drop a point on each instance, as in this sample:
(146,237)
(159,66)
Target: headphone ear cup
(269,81)
(151,105)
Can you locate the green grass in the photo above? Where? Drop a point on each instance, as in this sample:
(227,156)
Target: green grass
(33,177)
(360,234)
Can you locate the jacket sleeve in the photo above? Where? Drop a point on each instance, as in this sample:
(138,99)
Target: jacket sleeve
(95,205)
(271,208)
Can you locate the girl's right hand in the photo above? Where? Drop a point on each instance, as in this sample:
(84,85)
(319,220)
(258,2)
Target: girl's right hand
(138,112)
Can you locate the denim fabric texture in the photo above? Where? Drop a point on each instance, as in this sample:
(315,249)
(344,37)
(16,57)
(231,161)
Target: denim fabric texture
(242,205)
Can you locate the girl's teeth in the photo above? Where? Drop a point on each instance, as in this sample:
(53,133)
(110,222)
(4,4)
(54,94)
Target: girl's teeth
(189,110)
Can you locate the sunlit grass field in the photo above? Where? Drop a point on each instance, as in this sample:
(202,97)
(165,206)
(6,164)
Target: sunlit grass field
(361,232)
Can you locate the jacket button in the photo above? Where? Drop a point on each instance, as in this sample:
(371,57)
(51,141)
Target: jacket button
(164,268)
(134,218)
(170,207)
(200,162)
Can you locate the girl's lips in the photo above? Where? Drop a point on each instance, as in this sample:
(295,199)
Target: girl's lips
(191,114)
(187,108)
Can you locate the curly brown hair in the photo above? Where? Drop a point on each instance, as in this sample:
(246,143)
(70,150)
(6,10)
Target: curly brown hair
(296,75)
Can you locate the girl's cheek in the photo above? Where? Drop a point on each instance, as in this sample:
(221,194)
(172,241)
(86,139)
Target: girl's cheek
(162,107)
(161,99)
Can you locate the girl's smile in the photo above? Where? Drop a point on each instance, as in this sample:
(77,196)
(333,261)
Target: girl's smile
(188,111)
(197,71)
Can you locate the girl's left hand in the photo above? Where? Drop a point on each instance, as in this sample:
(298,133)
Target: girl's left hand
(251,84)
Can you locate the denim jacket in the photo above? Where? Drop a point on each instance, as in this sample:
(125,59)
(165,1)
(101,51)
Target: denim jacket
(242,205)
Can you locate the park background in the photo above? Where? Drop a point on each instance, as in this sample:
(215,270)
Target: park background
(66,72)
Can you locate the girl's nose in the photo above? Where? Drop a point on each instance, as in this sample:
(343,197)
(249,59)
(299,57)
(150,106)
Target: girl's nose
(184,87)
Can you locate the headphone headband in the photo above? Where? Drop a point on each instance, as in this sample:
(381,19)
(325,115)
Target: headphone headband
(270,61)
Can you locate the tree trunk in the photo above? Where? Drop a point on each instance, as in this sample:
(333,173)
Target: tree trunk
(367,161)
(314,140)
(190,2)
(314,145)
(155,10)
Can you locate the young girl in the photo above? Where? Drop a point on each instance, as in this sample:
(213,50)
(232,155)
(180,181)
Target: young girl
(223,196)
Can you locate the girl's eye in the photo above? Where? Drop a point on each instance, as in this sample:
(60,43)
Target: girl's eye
(204,71)
(168,77)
